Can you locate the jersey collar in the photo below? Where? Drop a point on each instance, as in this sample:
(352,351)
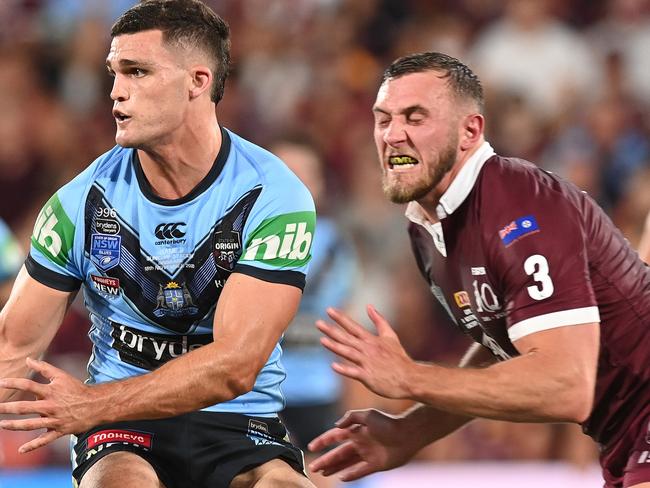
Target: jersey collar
(458,190)
(202,186)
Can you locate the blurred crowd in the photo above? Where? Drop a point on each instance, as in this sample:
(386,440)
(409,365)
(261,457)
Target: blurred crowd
(567,85)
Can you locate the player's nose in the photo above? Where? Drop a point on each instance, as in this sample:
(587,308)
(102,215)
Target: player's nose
(394,134)
(119,92)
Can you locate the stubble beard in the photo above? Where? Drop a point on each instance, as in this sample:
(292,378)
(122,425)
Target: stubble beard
(398,192)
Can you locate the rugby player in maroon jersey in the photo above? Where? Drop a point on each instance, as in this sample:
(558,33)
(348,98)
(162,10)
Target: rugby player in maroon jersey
(525,263)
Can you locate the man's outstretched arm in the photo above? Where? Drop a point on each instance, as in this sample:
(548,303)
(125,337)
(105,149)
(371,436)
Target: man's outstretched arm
(28,322)
(250,318)
(553,380)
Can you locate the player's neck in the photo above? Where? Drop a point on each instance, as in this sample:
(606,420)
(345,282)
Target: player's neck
(175,167)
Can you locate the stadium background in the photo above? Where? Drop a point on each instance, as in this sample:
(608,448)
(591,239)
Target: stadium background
(568,87)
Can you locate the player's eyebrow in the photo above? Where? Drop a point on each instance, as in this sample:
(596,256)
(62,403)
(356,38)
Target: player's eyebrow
(405,111)
(127,63)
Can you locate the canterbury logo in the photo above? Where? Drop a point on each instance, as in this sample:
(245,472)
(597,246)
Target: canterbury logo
(170,231)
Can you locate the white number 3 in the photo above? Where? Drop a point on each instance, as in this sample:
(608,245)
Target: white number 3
(537,265)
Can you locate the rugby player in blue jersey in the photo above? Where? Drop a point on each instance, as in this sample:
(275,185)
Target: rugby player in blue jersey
(191,245)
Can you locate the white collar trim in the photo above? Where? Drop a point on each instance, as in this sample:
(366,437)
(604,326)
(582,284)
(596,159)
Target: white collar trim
(458,190)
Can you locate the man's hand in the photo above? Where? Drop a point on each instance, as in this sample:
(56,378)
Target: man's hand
(62,405)
(371,441)
(378,361)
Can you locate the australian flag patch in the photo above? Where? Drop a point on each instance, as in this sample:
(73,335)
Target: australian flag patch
(518,228)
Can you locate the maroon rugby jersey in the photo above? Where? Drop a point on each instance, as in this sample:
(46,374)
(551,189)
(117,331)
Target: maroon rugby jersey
(518,250)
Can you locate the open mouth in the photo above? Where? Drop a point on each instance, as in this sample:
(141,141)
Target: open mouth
(401,161)
(120,117)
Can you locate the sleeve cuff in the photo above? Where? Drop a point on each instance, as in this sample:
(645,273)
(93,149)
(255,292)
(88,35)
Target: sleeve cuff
(552,320)
(50,278)
(286,277)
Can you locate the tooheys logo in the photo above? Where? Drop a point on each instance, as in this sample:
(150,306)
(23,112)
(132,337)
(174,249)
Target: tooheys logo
(126,436)
(105,285)
(54,232)
(282,240)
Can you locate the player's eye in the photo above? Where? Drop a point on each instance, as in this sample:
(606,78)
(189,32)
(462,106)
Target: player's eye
(382,122)
(415,119)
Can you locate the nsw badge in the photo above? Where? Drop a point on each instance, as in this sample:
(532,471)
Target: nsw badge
(105,251)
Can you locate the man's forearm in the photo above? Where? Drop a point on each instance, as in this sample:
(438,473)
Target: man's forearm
(519,390)
(12,365)
(426,424)
(28,322)
(195,380)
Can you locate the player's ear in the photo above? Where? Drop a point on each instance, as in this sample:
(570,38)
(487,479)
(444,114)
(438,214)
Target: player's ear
(471,130)
(201,80)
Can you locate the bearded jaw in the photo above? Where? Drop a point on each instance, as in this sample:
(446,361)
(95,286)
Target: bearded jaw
(399,190)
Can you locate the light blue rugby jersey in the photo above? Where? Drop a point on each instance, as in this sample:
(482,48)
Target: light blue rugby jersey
(153,269)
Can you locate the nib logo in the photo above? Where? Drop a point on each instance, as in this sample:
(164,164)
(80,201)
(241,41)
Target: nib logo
(54,232)
(281,241)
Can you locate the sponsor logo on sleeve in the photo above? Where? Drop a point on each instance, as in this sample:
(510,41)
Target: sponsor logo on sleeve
(284,240)
(54,232)
(517,229)
(106,286)
(105,251)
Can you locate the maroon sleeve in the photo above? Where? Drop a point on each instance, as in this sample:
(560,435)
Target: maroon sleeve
(535,237)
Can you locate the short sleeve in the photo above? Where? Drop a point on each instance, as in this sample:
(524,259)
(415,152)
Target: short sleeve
(278,235)
(542,266)
(51,256)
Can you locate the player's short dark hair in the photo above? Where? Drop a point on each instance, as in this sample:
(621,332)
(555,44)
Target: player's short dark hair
(183,23)
(460,78)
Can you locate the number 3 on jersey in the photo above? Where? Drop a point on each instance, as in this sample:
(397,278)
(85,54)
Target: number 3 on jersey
(537,266)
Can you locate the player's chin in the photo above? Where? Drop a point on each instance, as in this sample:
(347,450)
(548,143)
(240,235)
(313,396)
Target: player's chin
(125,140)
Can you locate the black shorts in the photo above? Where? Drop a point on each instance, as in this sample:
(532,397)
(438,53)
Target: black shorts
(305,423)
(198,449)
